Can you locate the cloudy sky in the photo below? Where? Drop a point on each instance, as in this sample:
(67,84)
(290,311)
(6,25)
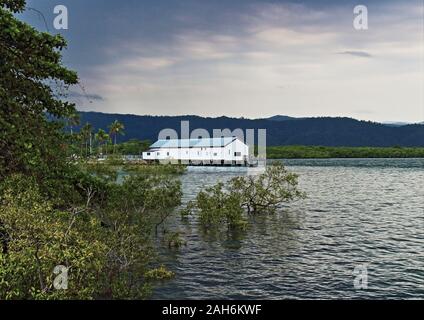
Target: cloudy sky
(244,58)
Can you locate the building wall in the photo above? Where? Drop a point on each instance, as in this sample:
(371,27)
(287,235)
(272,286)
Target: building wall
(235,151)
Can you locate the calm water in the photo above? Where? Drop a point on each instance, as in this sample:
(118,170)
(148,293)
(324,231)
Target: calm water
(357,212)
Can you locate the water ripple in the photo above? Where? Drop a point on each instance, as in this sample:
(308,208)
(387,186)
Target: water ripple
(362,211)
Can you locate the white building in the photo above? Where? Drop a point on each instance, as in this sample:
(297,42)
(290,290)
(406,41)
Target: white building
(215,151)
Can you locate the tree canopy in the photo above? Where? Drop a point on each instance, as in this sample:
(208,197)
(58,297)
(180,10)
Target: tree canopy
(32,82)
(54,211)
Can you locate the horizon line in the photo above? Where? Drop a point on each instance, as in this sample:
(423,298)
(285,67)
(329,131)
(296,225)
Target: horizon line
(268,118)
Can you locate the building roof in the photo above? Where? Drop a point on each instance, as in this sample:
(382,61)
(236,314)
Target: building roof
(193,143)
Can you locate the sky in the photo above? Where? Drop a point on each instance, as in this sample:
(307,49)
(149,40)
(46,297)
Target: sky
(243,58)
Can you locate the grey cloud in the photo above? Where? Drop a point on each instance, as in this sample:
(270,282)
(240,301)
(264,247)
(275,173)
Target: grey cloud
(77,95)
(174,57)
(362,54)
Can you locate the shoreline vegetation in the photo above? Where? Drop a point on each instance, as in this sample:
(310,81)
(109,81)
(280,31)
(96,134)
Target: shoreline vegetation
(323,152)
(136,147)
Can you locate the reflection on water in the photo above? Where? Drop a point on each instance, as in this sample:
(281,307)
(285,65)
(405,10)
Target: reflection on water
(362,211)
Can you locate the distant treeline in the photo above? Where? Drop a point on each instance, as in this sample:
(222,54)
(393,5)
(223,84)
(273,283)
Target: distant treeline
(333,132)
(133,147)
(314,152)
(136,147)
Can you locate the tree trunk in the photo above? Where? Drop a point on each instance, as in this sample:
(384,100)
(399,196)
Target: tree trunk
(114,147)
(91,150)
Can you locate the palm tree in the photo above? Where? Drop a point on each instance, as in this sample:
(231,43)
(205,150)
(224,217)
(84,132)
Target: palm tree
(116,128)
(73,120)
(101,136)
(86,133)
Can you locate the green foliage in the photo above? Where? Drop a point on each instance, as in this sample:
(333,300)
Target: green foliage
(13,5)
(101,170)
(158,195)
(133,147)
(131,212)
(85,144)
(186,211)
(160,273)
(116,128)
(36,238)
(30,64)
(102,139)
(85,138)
(266,192)
(217,207)
(53,210)
(105,242)
(320,152)
(226,205)
(129,255)
(114,161)
(175,240)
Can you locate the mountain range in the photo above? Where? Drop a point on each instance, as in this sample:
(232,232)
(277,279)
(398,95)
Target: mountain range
(281,130)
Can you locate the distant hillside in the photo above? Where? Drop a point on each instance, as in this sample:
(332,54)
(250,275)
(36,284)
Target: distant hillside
(304,131)
(281,118)
(396,124)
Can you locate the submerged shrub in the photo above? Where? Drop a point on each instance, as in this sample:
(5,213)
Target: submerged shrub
(160,273)
(266,192)
(174,240)
(217,207)
(228,205)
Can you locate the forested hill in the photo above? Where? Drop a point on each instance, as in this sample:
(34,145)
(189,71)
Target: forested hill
(306,131)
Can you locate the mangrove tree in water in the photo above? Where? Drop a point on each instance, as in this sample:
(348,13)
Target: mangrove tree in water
(229,204)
